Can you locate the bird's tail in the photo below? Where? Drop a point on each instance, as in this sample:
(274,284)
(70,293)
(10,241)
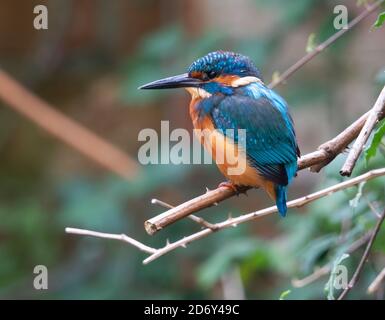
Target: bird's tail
(280,199)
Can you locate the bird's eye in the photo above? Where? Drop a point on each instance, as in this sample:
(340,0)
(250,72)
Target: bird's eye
(205,76)
(212,74)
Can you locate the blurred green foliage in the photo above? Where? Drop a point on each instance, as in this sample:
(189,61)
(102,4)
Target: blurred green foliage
(35,207)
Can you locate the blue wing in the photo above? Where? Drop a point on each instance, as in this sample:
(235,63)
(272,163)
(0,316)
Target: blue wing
(271,145)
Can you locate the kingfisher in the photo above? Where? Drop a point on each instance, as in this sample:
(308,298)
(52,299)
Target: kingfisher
(228,92)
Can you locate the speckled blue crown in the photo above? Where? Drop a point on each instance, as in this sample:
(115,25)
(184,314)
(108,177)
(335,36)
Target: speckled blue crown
(225,62)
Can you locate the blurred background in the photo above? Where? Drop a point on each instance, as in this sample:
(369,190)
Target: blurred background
(88,65)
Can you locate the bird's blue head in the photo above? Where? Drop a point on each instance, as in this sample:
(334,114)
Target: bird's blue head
(218,71)
(223,63)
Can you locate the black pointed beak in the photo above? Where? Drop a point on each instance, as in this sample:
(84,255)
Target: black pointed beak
(179,81)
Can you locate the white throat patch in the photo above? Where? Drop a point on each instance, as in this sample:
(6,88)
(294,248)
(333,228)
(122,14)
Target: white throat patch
(245,81)
(198,93)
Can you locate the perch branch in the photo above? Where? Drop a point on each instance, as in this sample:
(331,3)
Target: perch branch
(305,59)
(231,222)
(365,256)
(374,115)
(315,161)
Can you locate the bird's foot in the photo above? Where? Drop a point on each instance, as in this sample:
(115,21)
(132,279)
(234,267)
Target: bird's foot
(237,189)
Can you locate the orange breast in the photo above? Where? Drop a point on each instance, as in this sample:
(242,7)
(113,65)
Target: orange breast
(231,160)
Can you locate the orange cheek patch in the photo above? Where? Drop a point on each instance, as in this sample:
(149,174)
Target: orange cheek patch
(227,79)
(196,74)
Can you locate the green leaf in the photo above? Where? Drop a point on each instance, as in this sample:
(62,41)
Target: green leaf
(329,286)
(380,20)
(284,294)
(311,43)
(371,151)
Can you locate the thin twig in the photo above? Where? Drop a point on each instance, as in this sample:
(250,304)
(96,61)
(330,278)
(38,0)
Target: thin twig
(305,59)
(365,256)
(318,273)
(161,203)
(231,222)
(375,285)
(373,208)
(374,116)
(120,237)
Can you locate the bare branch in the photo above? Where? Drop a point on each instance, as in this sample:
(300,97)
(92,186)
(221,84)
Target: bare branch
(373,208)
(305,59)
(162,203)
(374,116)
(365,256)
(318,273)
(120,237)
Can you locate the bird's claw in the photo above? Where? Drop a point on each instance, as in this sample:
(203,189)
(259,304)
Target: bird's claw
(228,184)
